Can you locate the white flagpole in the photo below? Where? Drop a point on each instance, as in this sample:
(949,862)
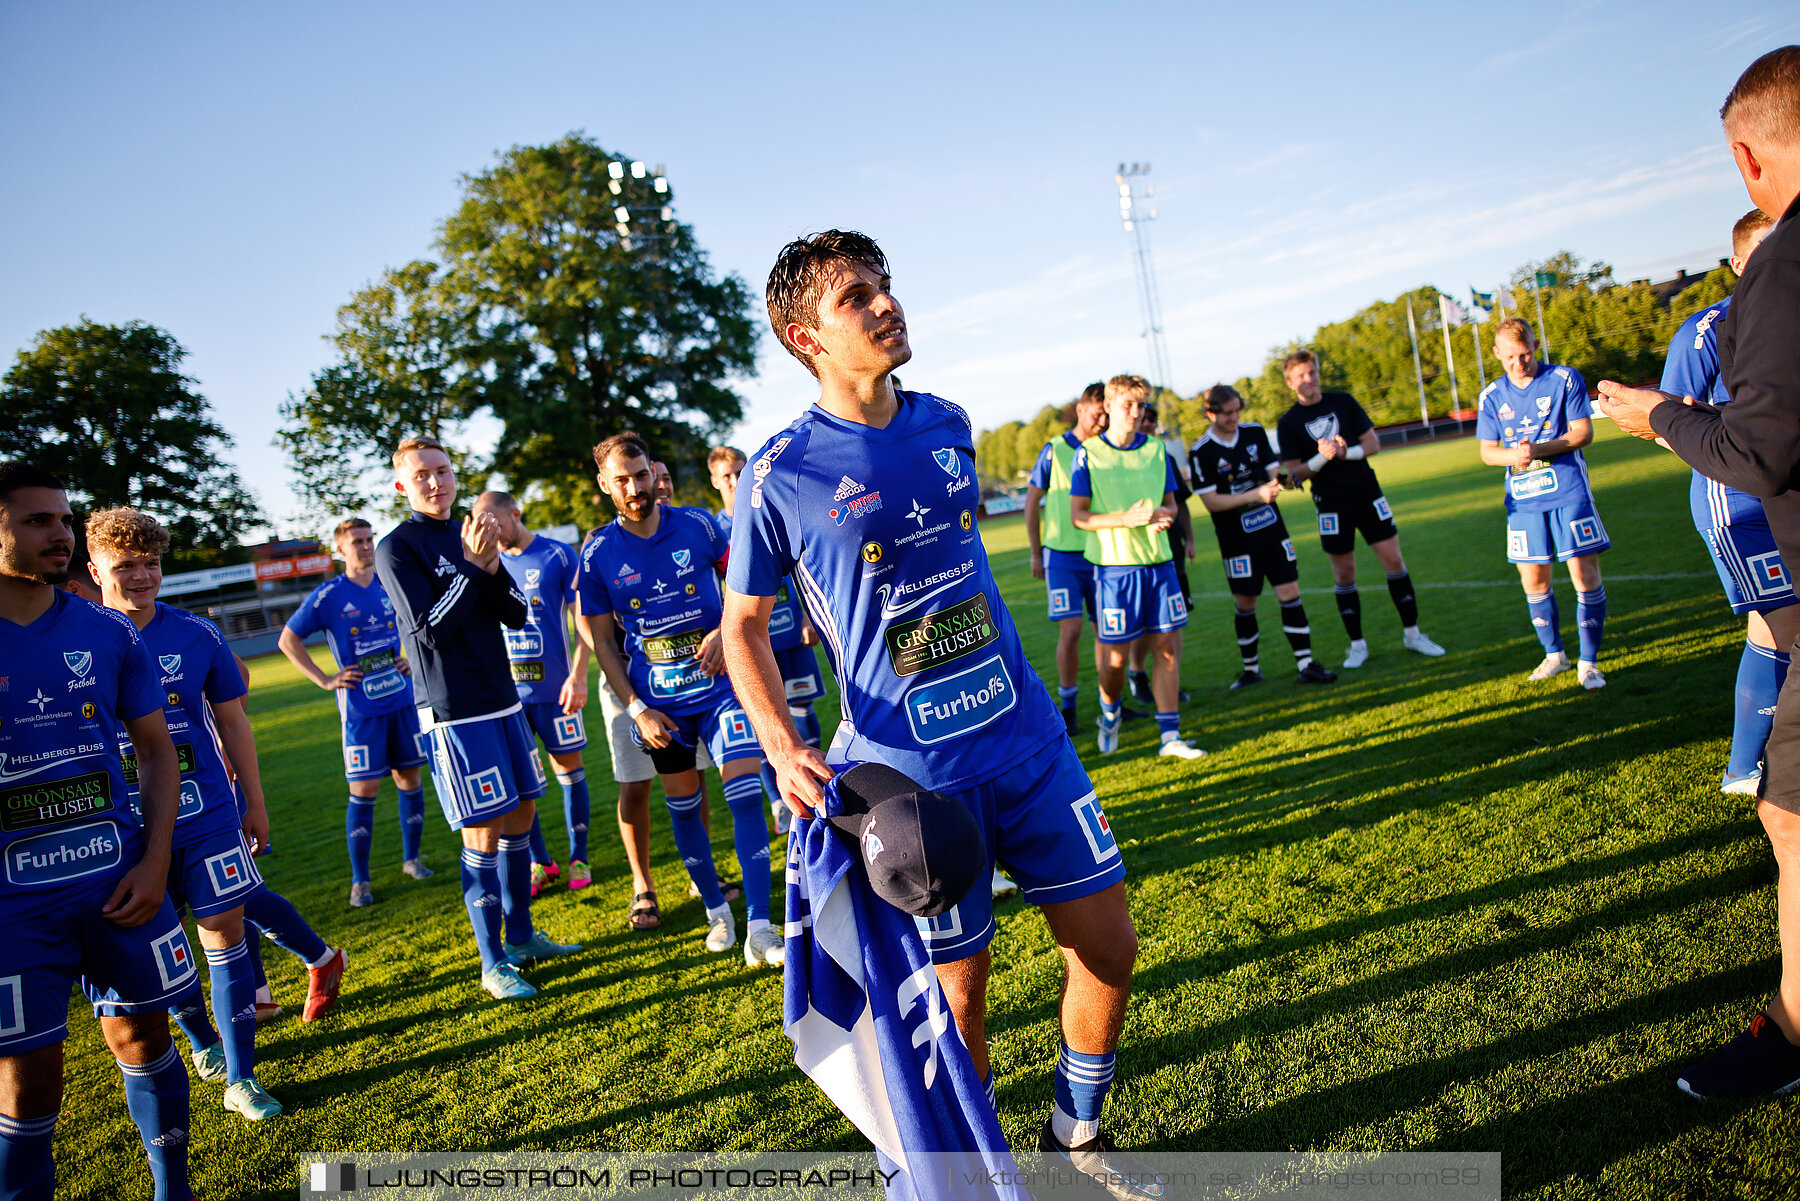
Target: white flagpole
(1480,367)
(1449,355)
(1543,340)
(1412,328)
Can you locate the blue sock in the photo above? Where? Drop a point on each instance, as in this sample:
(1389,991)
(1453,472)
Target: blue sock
(515,887)
(1168,725)
(287,929)
(189,1015)
(576,803)
(534,843)
(234,1000)
(694,847)
(1545,619)
(806,720)
(770,785)
(253,937)
(1761,672)
(1081,1084)
(1066,695)
(1112,711)
(156,1096)
(1590,618)
(750,833)
(481,897)
(412,821)
(27,1168)
(359,832)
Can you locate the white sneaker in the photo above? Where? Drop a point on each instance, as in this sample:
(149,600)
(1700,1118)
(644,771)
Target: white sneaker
(1001,885)
(721,931)
(1554,664)
(1589,677)
(784,817)
(1179,748)
(1108,737)
(766,946)
(1741,785)
(1359,655)
(1416,641)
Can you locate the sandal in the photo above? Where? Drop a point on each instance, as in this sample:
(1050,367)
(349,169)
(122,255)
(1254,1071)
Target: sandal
(727,888)
(643,914)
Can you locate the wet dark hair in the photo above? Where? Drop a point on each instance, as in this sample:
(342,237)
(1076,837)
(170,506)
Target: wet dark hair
(798,278)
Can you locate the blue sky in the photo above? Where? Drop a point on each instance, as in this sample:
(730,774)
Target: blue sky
(233,172)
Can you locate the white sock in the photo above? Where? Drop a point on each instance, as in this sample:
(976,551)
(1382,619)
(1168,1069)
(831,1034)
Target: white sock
(1359,644)
(723,911)
(1070,1132)
(1410,631)
(323,959)
(264,996)
(755,924)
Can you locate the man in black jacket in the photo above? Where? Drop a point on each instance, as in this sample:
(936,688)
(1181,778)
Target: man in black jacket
(450,598)
(1753,444)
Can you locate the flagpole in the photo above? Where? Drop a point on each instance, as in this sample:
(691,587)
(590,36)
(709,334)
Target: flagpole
(1480,367)
(1543,340)
(1449,356)
(1412,328)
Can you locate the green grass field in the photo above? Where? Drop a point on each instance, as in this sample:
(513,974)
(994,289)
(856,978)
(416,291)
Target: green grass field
(1433,907)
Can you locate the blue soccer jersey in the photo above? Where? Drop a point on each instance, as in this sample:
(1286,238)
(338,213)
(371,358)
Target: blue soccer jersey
(67,682)
(1538,412)
(877,527)
(787,621)
(539,654)
(664,593)
(359,624)
(1692,369)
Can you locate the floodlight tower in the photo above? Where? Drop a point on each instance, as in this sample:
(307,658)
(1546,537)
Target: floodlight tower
(1135,193)
(655,214)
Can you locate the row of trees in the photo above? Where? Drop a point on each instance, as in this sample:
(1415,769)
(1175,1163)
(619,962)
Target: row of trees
(1603,329)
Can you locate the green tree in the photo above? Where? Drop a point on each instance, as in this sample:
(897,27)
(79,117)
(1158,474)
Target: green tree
(107,408)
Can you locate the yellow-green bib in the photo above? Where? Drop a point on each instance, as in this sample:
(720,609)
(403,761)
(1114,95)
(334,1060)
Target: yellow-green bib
(1119,479)
(1059,532)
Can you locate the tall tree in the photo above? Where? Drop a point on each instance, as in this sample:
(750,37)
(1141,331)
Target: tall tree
(108,408)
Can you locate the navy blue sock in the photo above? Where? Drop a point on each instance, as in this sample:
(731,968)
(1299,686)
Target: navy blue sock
(359,832)
(1349,605)
(534,843)
(576,804)
(1066,696)
(1545,619)
(694,847)
(750,834)
(1168,725)
(1590,617)
(481,897)
(234,1000)
(287,929)
(1761,672)
(189,1015)
(1081,1084)
(156,1096)
(27,1167)
(515,888)
(412,821)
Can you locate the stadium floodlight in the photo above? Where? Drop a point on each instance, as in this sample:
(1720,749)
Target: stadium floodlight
(662,185)
(621,214)
(637,170)
(1132,214)
(616,170)
(668,213)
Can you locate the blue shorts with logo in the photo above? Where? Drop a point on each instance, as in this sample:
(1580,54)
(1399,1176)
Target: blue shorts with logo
(800,673)
(1749,566)
(212,871)
(561,732)
(1138,600)
(1069,584)
(486,768)
(723,730)
(56,938)
(1042,822)
(1566,532)
(374,746)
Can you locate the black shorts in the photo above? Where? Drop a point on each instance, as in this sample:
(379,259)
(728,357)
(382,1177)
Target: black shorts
(1342,517)
(1266,555)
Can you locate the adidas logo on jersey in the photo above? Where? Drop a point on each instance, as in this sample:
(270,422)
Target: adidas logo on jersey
(349,607)
(445,567)
(847,487)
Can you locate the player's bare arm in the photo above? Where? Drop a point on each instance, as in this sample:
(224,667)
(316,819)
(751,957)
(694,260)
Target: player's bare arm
(1034,497)
(800,769)
(652,724)
(1081,511)
(239,741)
(139,893)
(1224,502)
(296,652)
(573,696)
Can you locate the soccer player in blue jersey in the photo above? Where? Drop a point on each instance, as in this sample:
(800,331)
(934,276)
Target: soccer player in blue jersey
(655,572)
(1124,493)
(1533,421)
(451,598)
(1737,534)
(933,679)
(790,632)
(1059,550)
(374,693)
(213,869)
(82,893)
(551,675)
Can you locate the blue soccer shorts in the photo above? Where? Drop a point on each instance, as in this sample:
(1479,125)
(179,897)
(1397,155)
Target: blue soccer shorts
(1566,532)
(723,730)
(1069,585)
(800,673)
(374,746)
(485,768)
(561,732)
(1135,601)
(56,938)
(1749,566)
(211,871)
(1042,821)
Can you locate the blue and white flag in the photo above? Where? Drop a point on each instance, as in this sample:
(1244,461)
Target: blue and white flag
(862,1004)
